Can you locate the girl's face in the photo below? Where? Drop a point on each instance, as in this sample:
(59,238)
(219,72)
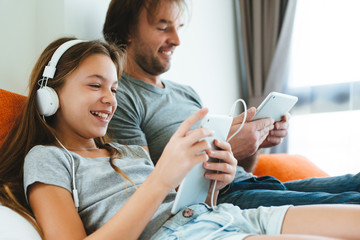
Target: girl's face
(87,99)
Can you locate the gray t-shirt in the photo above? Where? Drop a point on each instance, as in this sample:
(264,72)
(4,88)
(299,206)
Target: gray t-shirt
(148,115)
(102,191)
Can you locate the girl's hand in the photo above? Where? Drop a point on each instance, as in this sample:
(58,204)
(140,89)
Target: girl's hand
(223,171)
(183,151)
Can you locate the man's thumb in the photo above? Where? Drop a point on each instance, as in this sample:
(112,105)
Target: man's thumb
(250,113)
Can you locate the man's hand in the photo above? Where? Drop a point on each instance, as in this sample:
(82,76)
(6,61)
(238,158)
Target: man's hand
(262,133)
(251,136)
(279,132)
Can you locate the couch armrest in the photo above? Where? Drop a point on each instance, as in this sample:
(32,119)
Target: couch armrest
(15,227)
(11,105)
(286,167)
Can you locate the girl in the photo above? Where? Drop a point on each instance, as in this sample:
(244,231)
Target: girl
(80,186)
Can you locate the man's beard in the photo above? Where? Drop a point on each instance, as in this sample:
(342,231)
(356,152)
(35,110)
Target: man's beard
(152,65)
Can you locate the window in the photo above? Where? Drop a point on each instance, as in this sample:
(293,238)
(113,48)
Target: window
(325,75)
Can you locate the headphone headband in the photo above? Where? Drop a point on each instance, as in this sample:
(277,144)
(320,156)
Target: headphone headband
(50,69)
(47,100)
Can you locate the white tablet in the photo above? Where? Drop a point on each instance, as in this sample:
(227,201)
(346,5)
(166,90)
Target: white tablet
(275,105)
(195,187)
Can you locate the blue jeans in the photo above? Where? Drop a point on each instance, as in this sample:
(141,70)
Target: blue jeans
(268,191)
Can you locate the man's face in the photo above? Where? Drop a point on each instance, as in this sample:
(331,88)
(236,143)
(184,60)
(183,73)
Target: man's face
(154,40)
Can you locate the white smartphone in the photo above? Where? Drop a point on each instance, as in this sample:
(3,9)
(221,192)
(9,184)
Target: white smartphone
(195,187)
(275,105)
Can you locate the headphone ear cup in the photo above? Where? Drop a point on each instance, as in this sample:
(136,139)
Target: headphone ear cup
(47,101)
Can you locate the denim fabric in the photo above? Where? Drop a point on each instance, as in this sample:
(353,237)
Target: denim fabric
(268,191)
(199,221)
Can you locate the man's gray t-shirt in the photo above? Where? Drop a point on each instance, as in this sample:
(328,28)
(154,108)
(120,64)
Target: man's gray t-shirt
(102,191)
(148,116)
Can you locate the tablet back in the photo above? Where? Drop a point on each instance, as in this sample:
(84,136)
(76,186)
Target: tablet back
(195,187)
(275,105)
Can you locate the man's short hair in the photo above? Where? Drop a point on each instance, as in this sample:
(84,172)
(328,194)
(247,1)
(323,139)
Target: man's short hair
(123,15)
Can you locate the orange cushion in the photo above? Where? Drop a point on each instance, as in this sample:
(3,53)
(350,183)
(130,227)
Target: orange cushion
(287,167)
(11,105)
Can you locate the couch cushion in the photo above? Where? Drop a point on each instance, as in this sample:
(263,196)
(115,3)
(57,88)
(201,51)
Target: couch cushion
(10,105)
(287,167)
(15,227)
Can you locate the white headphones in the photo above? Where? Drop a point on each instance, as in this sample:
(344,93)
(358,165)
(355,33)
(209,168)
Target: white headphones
(47,100)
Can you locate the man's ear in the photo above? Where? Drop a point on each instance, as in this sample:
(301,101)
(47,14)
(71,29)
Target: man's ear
(129,39)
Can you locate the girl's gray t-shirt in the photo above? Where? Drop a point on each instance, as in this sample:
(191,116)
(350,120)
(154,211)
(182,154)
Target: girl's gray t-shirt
(102,191)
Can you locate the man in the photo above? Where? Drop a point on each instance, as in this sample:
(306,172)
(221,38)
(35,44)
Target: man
(151,109)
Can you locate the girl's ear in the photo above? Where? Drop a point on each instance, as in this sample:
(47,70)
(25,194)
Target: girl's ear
(47,101)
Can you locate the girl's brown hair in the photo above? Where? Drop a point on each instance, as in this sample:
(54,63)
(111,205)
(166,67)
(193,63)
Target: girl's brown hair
(31,130)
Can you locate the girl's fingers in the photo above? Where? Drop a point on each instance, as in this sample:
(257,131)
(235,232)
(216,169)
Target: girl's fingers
(224,169)
(190,121)
(222,172)
(225,154)
(220,167)
(220,177)
(222,145)
(202,157)
(201,147)
(196,135)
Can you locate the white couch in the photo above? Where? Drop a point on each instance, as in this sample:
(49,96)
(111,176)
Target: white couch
(15,227)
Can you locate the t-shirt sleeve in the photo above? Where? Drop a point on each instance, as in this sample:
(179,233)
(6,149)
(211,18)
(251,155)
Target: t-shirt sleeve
(125,126)
(48,165)
(195,97)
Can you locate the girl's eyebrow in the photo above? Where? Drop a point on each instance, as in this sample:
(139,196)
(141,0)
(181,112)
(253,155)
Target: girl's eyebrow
(101,78)
(96,76)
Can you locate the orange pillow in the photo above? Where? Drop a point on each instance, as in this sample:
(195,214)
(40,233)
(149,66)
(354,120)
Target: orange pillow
(287,167)
(11,105)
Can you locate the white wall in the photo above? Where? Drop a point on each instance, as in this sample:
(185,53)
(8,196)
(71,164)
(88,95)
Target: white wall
(17,41)
(206,59)
(28,26)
